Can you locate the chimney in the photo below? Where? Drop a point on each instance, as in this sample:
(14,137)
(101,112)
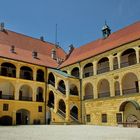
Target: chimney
(42,38)
(2,26)
(12,49)
(53,54)
(34,54)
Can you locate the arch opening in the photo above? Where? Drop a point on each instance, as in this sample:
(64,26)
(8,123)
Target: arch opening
(88,70)
(75,72)
(89,91)
(40,75)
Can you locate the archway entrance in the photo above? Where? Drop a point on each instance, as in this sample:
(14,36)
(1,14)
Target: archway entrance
(131,111)
(22,117)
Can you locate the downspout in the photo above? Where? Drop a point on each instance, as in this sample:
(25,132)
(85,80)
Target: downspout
(81,101)
(46,94)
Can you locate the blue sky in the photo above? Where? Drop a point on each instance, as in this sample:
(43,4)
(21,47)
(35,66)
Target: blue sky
(79,21)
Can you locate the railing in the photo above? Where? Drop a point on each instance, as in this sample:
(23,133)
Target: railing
(130,124)
(72,92)
(28,75)
(39,99)
(102,70)
(87,74)
(60,112)
(24,98)
(86,97)
(117,92)
(8,71)
(127,63)
(7,97)
(74,116)
(50,104)
(104,94)
(130,91)
(61,89)
(51,82)
(76,75)
(115,66)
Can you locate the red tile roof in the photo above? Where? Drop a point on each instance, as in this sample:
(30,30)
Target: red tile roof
(25,45)
(125,35)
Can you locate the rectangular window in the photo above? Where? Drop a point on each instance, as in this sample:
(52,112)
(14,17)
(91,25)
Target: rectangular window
(104,118)
(119,117)
(39,108)
(5,107)
(88,118)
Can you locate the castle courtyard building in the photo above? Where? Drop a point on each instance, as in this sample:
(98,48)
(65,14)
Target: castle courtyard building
(98,83)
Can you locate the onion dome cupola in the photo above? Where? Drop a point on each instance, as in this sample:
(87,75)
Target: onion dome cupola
(106,30)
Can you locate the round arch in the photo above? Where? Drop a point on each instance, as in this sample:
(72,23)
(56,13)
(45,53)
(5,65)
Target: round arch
(40,75)
(103,65)
(62,87)
(103,88)
(74,112)
(51,99)
(25,93)
(88,91)
(22,117)
(73,90)
(62,108)
(130,83)
(7,90)
(51,79)
(39,95)
(8,69)
(75,72)
(128,57)
(88,70)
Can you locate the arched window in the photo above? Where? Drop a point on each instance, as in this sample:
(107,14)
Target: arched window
(130,84)
(62,108)
(51,79)
(39,96)
(117,88)
(8,69)
(6,90)
(40,76)
(51,99)
(88,70)
(74,113)
(26,73)
(25,93)
(75,72)
(89,91)
(103,88)
(73,90)
(128,58)
(62,87)
(103,65)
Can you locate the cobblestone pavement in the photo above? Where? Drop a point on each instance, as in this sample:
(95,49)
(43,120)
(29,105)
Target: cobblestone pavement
(68,132)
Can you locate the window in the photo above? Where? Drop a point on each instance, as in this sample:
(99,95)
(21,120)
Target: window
(119,117)
(39,108)
(88,118)
(5,107)
(104,118)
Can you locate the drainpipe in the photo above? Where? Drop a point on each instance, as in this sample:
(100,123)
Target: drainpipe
(81,101)
(45,93)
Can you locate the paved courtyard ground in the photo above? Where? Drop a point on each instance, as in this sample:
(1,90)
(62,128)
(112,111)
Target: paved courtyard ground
(68,132)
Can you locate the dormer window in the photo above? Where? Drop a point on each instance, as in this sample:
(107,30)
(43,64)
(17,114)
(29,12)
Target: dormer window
(34,54)
(12,49)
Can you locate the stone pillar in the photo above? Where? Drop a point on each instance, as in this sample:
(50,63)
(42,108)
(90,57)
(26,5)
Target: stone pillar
(14,118)
(81,73)
(16,92)
(34,93)
(111,62)
(112,90)
(67,111)
(95,67)
(119,60)
(137,55)
(18,71)
(95,90)
(34,74)
(55,104)
(121,90)
(67,89)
